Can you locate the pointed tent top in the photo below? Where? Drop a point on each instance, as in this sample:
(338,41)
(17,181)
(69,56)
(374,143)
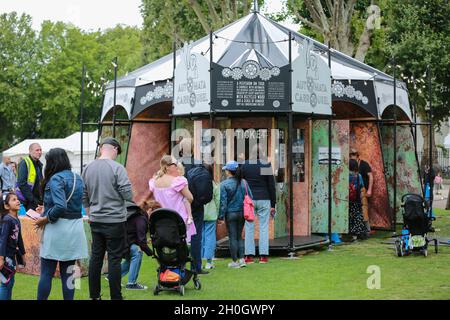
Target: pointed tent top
(255,6)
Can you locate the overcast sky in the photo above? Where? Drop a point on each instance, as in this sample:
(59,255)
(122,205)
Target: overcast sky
(89,14)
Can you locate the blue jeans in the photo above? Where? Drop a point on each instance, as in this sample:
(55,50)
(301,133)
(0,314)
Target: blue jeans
(235,224)
(6,290)
(209,240)
(132,264)
(48,268)
(262,211)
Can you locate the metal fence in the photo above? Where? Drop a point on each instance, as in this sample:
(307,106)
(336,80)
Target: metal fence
(442,158)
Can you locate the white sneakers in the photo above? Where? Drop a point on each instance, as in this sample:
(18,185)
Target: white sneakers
(237,264)
(209,266)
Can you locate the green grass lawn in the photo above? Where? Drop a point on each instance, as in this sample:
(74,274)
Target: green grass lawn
(337,274)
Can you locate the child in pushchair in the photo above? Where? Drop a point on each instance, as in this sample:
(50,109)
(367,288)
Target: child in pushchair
(168,236)
(417,222)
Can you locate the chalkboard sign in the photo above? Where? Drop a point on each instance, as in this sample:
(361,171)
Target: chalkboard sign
(250,88)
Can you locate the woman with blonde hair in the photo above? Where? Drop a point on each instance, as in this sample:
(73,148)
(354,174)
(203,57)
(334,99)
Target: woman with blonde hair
(171,191)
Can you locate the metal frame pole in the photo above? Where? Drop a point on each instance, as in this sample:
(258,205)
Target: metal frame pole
(83,75)
(431,134)
(173,120)
(330,141)
(115,91)
(290,158)
(395,144)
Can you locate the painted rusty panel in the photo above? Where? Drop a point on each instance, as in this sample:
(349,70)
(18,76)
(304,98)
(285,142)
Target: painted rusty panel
(149,142)
(319,178)
(301,189)
(408,180)
(121,136)
(364,137)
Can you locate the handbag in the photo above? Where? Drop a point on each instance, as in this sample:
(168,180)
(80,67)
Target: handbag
(7,272)
(67,201)
(249,207)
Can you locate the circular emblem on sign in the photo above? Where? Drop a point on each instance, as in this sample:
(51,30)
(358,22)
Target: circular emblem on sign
(236,74)
(250,69)
(365,100)
(192,100)
(358,95)
(224,103)
(275,71)
(338,89)
(190,84)
(159,91)
(313,100)
(149,96)
(350,91)
(310,84)
(265,74)
(226,73)
(276,104)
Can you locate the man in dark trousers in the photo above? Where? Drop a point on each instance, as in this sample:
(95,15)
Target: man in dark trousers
(106,189)
(259,175)
(30,177)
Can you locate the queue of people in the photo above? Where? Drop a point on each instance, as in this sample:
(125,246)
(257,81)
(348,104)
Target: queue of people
(119,227)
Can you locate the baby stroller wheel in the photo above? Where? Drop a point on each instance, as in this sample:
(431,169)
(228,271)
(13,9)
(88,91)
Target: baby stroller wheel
(197,285)
(156,290)
(181,290)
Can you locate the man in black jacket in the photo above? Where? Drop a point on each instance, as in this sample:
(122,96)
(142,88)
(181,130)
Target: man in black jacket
(30,177)
(259,175)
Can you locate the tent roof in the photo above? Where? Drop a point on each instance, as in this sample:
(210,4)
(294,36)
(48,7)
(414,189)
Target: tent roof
(252,34)
(70,144)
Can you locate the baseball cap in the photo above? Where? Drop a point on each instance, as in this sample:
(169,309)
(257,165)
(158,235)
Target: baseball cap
(354,151)
(231,166)
(113,142)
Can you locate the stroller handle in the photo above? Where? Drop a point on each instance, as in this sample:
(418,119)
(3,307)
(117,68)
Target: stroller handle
(412,194)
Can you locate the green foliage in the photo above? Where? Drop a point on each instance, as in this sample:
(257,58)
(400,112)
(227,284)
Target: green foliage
(419,36)
(41,78)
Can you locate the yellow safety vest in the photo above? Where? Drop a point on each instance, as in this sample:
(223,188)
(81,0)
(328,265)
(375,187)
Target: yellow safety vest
(31,170)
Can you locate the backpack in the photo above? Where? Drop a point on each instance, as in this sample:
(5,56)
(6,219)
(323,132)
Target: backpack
(353,192)
(201,185)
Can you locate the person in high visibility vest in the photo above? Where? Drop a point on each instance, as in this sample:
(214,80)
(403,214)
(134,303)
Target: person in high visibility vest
(30,177)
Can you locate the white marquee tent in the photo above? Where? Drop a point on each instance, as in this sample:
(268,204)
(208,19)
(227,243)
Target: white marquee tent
(72,145)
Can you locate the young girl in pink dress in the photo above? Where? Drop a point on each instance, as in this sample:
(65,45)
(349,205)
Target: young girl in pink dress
(171,191)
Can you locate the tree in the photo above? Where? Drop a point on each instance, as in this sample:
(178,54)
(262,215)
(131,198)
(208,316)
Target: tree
(348,25)
(41,78)
(185,20)
(419,38)
(17,40)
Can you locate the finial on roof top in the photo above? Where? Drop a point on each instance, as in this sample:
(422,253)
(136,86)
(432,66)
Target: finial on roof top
(255,6)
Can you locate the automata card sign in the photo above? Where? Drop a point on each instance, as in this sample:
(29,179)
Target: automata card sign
(311,82)
(192,83)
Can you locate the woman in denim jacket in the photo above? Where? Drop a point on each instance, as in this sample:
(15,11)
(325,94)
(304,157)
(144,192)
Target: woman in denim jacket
(232,192)
(63,239)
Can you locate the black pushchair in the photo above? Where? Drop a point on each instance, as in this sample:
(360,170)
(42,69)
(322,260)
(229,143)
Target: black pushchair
(168,236)
(417,222)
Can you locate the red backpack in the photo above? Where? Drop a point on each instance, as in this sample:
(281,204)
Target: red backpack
(353,189)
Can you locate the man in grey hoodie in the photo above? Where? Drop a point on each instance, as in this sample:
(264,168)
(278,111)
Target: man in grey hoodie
(106,189)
